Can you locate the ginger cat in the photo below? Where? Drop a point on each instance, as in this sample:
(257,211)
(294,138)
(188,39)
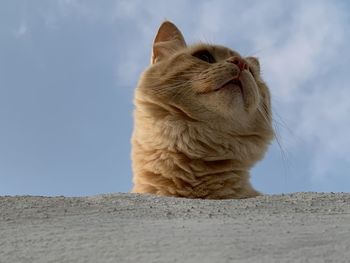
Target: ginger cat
(202,120)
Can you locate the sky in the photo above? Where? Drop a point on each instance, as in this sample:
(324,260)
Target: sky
(68,70)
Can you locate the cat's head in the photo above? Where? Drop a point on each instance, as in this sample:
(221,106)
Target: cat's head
(205,83)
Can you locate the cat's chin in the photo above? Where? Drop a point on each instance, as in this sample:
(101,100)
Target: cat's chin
(232,84)
(246,86)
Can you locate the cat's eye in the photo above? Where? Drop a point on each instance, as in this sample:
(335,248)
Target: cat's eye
(204,55)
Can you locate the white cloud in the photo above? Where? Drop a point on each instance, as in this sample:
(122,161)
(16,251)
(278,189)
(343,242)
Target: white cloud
(304,73)
(22,30)
(325,125)
(314,33)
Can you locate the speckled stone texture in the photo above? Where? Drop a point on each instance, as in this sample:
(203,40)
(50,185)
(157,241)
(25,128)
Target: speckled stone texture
(300,227)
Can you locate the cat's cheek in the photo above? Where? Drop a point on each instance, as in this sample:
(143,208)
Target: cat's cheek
(202,87)
(250,90)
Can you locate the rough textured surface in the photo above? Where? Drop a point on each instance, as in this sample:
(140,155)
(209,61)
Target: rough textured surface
(300,227)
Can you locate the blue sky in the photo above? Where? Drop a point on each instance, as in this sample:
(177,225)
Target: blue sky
(68,70)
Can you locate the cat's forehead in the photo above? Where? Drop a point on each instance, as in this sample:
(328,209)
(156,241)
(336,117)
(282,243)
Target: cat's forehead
(220,52)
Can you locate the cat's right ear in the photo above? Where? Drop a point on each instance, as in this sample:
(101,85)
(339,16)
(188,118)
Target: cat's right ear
(168,40)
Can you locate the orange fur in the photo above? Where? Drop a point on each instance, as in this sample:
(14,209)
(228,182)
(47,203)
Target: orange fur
(191,140)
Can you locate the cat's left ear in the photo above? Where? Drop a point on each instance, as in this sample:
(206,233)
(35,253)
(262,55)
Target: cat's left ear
(168,40)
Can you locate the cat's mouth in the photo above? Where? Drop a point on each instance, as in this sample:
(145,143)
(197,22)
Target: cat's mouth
(230,84)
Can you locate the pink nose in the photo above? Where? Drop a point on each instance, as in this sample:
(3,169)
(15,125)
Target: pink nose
(240,62)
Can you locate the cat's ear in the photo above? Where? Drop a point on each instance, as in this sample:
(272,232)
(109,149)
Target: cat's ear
(168,40)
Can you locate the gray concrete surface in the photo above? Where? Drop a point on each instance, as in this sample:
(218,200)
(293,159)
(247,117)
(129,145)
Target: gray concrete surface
(300,227)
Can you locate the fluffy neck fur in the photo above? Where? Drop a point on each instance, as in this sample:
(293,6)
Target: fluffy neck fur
(186,158)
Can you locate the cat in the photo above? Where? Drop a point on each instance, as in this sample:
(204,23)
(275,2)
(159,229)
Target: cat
(202,119)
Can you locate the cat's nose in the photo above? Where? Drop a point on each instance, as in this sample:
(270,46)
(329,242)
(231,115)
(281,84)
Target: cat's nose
(240,62)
